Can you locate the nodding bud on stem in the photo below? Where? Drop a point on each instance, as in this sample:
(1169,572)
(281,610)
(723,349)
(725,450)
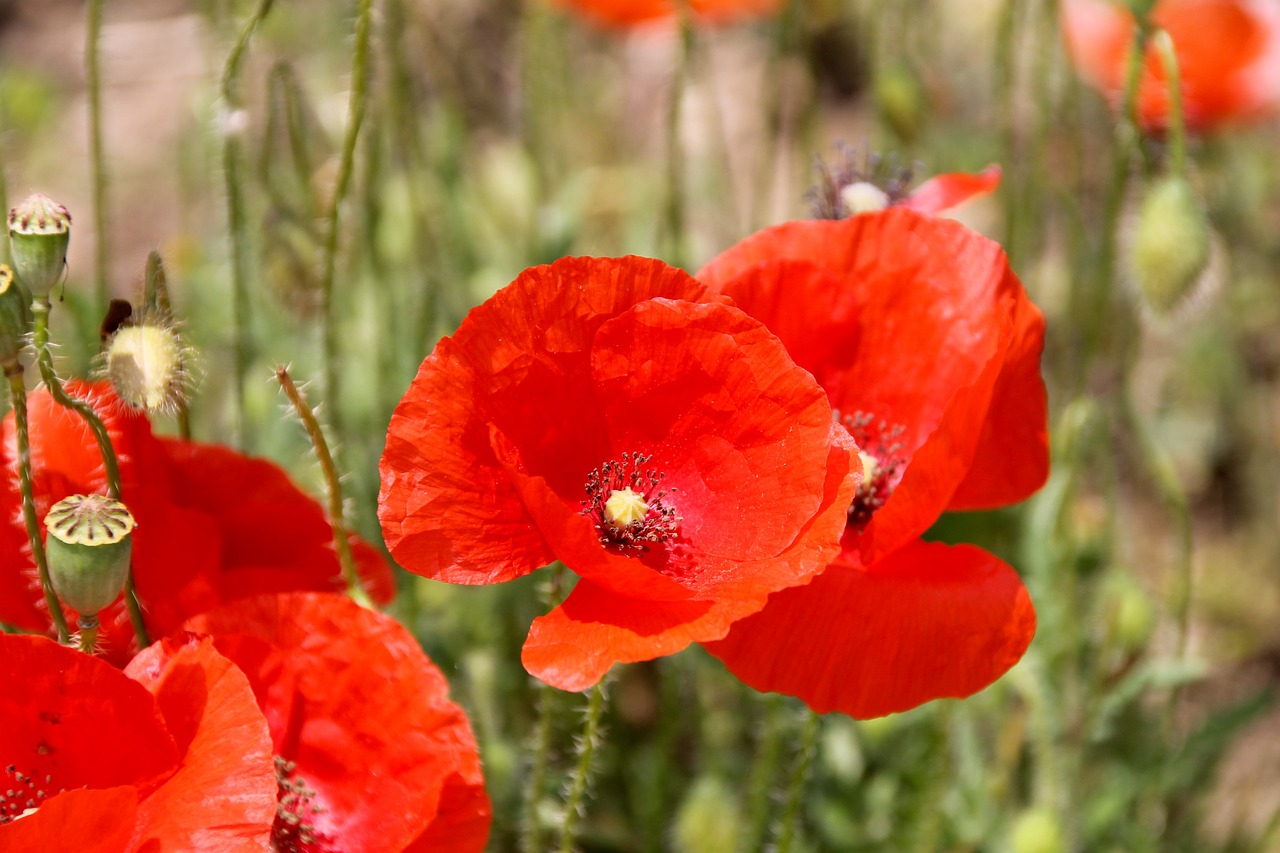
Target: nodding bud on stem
(1171,245)
(15,320)
(89,545)
(146,363)
(39,231)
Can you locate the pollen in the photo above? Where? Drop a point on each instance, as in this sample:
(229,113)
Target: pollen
(293,830)
(628,509)
(23,793)
(882,464)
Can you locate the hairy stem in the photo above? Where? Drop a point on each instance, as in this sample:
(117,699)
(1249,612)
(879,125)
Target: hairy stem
(587,744)
(93,31)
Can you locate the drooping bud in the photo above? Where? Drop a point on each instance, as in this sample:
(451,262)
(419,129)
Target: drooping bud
(88,548)
(146,363)
(1170,247)
(15,319)
(39,232)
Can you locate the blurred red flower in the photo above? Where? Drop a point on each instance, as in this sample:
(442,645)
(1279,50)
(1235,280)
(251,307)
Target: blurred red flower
(181,762)
(929,349)
(373,755)
(943,192)
(668,452)
(625,13)
(213,524)
(1228,55)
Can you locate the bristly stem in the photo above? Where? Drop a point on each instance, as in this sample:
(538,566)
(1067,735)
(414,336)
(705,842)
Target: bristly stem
(155,294)
(356,110)
(40,337)
(232,160)
(799,782)
(18,394)
(550,596)
(93,32)
(88,633)
(332,485)
(764,767)
(587,743)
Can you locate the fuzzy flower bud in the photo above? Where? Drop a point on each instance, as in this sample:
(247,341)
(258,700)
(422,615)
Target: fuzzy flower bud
(39,231)
(146,364)
(89,545)
(1170,248)
(15,319)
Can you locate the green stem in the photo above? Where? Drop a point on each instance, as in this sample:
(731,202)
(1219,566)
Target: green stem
(590,739)
(18,394)
(232,163)
(550,595)
(799,781)
(88,633)
(675,212)
(357,106)
(333,486)
(1177,133)
(93,31)
(40,337)
(768,755)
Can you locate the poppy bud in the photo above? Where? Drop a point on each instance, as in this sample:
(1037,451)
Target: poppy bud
(39,231)
(15,319)
(708,818)
(1037,830)
(88,548)
(1169,251)
(1129,614)
(146,364)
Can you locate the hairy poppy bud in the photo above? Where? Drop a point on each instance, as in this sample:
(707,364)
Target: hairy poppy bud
(146,364)
(89,545)
(15,319)
(1169,251)
(39,231)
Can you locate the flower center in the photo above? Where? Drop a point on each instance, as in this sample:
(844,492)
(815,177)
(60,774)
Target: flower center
(881,463)
(293,831)
(23,793)
(626,506)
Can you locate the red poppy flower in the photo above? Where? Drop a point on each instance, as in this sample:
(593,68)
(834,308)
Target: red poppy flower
(373,755)
(212,524)
(852,186)
(625,13)
(1228,56)
(929,350)
(669,453)
(104,763)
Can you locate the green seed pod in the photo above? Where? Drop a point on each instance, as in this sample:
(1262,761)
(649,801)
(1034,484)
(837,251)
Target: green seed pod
(88,548)
(1169,252)
(15,319)
(39,231)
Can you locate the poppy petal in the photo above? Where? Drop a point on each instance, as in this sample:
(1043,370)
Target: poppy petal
(928,622)
(223,795)
(943,192)
(95,820)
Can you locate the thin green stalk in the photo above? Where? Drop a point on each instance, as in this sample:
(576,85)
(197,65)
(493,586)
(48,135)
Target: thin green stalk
(799,782)
(587,744)
(111,468)
(674,237)
(764,768)
(237,227)
(1176,131)
(357,105)
(531,826)
(333,487)
(93,32)
(18,394)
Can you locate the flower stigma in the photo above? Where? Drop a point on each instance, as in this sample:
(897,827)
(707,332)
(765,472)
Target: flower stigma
(628,510)
(881,464)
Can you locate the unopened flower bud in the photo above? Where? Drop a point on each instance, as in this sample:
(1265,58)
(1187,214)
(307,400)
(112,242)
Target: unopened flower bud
(708,818)
(88,548)
(146,364)
(15,319)
(1037,830)
(39,231)
(1170,249)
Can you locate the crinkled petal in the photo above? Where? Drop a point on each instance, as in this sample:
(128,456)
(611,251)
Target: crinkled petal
(928,622)
(223,795)
(351,698)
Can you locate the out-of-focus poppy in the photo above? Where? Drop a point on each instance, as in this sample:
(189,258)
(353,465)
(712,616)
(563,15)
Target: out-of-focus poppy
(213,524)
(627,13)
(929,349)
(1228,56)
(371,753)
(101,762)
(666,450)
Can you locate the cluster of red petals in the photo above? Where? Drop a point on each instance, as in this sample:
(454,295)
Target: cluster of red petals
(213,524)
(1228,56)
(572,366)
(362,714)
(918,324)
(179,752)
(628,13)
(178,760)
